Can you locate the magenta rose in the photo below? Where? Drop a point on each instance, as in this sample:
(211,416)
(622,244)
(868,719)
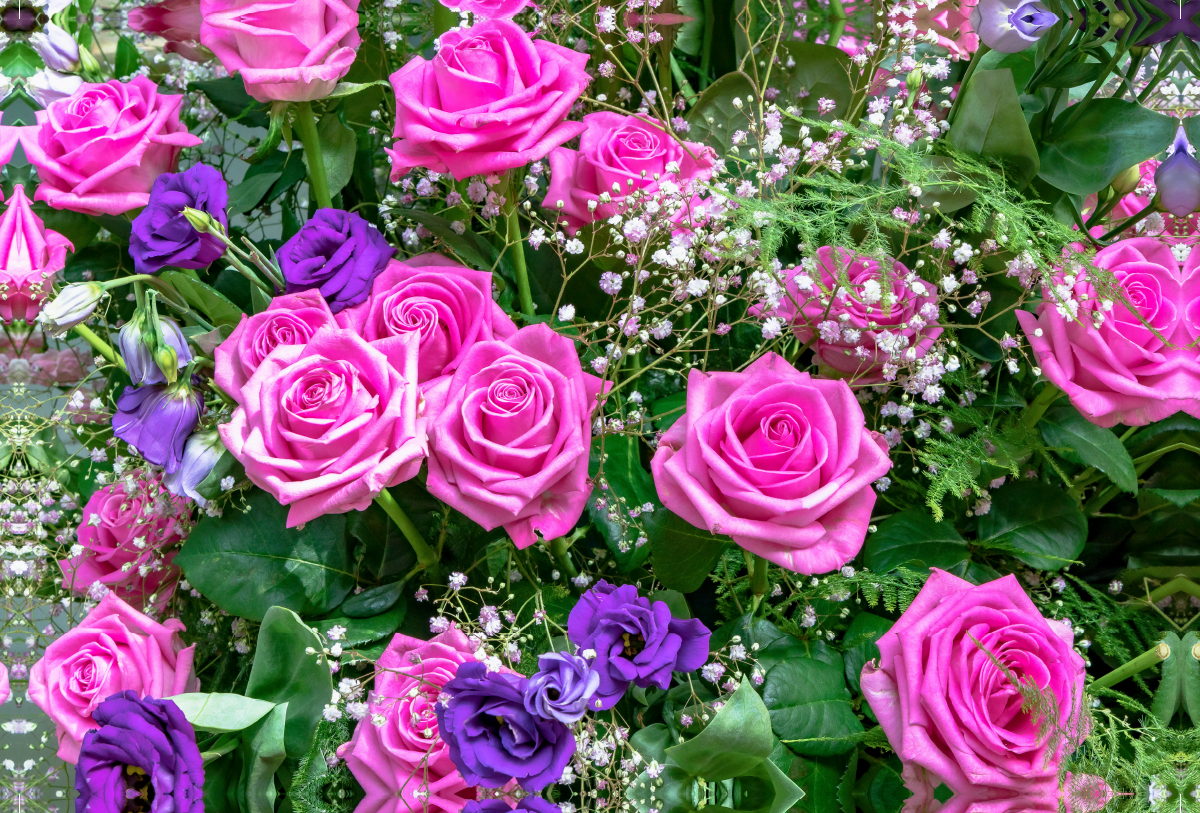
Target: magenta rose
(177,22)
(291,319)
(4,690)
(1118,366)
(114,649)
(293,51)
(489,9)
(510,433)
(943,690)
(122,538)
(31,255)
(326,426)
(448,306)
(492,99)
(617,149)
(887,321)
(99,150)
(778,460)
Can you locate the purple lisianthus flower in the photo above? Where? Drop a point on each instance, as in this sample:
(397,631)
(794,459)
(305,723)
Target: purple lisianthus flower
(200,456)
(143,758)
(1011,26)
(493,739)
(562,687)
(139,360)
(1178,179)
(530,804)
(635,641)
(162,236)
(338,253)
(157,420)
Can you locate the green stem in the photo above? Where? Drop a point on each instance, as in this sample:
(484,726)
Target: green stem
(426,556)
(516,251)
(561,548)
(1039,405)
(1130,222)
(758,578)
(1152,657)
(962,87)
(306,128)
(443,19)
(706,47)
(102,347)
(685,87)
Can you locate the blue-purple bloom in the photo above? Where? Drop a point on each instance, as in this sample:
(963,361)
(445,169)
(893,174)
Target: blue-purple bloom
(139,359)
(339,253)
(529,804)
(162,236)
(635,641)
(200,456)
(562,687)
(493,738)
(1011,26)
(142,759)
(157,420)
(1178,179)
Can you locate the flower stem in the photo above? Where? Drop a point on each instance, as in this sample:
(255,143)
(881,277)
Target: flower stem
(102,347)
(515,247)
(561,548)
(1037,408)
(426,556)
(306,128)
(758,578)
(1152,657)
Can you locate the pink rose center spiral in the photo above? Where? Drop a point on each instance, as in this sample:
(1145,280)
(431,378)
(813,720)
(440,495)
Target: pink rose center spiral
(512,406)
(280,330)
(413,314)
(88,673)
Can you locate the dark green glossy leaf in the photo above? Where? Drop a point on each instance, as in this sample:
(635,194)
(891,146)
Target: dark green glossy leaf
(858,644)
(205,299)
(914,536)
(1040,524)
(629,486)
(228,94)
(221,713)
(810,706)
(1104,139)
(1063,426)
(737,739)
(373,601)
(684,555)
(715,118)
(991,124)
(362,631)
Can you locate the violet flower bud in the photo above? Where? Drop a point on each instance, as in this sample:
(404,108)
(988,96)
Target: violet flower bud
(1011,26)
(73,305)
(135,342)
(200,456)
(57,48)
(1178,179)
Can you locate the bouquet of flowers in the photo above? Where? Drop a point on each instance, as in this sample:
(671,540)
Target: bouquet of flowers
(639,406)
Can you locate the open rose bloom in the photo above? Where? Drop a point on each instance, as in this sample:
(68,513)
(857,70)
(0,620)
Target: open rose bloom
(30,257)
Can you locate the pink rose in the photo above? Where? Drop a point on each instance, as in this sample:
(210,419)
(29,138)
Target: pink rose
(510,435)
(949,21)
(326,426)
(778,460)
(617,149)
(63,367)
(492,99)
(1119,370)
(30,256)
(5,693)
(290,52)
(177,22)
(945,702)
(99,150)
(114,649)
(449,307)
(122,533)
(291,319)
(489,9)
(904,310)
(409,677)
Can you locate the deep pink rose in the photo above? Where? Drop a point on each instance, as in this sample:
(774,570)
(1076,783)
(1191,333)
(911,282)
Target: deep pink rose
(177,22)
(291,319)
(30,256)
(1120,370)
(114,649)
(292,51)
(492,99)
(448,306)
(902,308)
(949,21)
(510,433)
(128,530)
(326,426)
(489,9)
(99,150)
(63,367)
(942,696)
(778,460)
(617,149)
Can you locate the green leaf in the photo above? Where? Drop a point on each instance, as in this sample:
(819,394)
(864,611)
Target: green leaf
(1179,497)
(629,486)
(337,150)
(246,563)
(361,631)
(207,300)
(822,72)
(883,787)
(684,555)
(128,59)
(226,466)
(261,758)
(810,705)
(652,742)
(819,778)
(736,740)
(1170,685)
(79,229)
(374,601)
(351,88)
(991,124)
(858,645)
(469,247)
(1022,65)
(1098,447)
(689,38)
(1190,683)
(17,59)
(913,536)
(1104,139)
(228,94)
(714,119)
(1075,74)
(249,193)
(1039,523)
(283,672)
(221,713)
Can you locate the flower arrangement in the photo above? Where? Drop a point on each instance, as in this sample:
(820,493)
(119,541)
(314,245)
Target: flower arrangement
(644,407)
